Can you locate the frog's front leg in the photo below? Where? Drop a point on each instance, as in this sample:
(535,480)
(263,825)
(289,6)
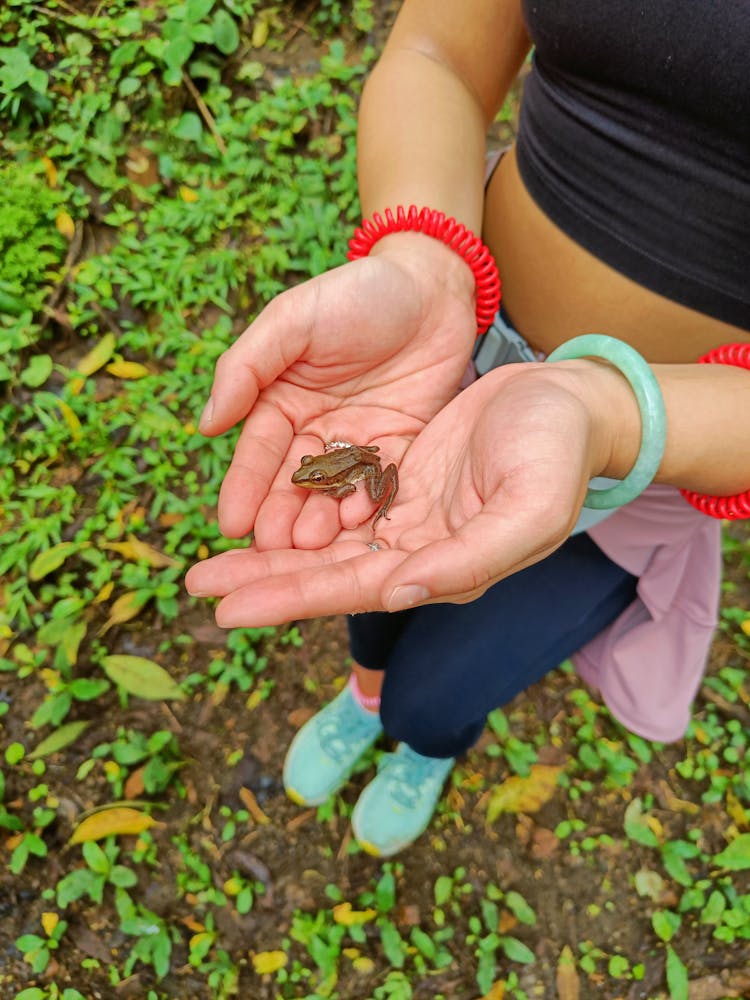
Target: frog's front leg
(380,485)
(339,492)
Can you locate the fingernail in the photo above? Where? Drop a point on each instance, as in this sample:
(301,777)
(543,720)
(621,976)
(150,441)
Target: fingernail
(207,416)
(407,596)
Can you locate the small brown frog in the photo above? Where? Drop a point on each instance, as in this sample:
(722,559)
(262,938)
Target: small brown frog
(341,466)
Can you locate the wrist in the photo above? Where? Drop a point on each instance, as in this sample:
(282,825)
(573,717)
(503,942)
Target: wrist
(428,257)
(454,234)
(613,413)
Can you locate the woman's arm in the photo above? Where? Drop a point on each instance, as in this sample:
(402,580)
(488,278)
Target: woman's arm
(442,77)
(708,423)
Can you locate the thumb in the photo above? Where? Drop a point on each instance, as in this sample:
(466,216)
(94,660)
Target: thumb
(462,567)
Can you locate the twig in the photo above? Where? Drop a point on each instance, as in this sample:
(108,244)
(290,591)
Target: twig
(206,115)
(50,306)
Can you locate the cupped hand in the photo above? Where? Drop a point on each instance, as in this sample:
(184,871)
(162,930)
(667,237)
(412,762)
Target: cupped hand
(492,484)
(366,353)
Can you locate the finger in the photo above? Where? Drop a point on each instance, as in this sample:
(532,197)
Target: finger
(349,586)
(259,455)
(273,342)
(459,568)
(222,574)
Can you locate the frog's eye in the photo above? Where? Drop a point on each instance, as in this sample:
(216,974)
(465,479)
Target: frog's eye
(306,459)
(317,477)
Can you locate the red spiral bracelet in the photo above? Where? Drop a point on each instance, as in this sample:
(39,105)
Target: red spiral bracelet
(738,506)
(452,233)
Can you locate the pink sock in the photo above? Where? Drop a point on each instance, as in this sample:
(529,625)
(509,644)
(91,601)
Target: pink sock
(369,702)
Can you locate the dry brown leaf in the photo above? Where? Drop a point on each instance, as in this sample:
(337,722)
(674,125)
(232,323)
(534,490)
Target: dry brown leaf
(134,787)
(544,844)
(251,804)
(566,980)
(142,166)
(712,988)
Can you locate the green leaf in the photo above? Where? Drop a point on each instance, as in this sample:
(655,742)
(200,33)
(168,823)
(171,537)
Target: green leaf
(95,858)
(677,977)
(516,950)
(443,889)
(519,907)
(87,688)
(196,10)
(177,52)
(226,34)
(665,923)
(141,677)
(61,737)
(50,560)
(37,371)
(77,883)
(393,944)
(636,825)
(735,857)
(189,127)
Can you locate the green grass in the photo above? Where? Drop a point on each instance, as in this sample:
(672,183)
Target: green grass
(167,170)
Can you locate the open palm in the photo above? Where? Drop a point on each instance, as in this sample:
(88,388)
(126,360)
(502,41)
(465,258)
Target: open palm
(366,353)
(492,484)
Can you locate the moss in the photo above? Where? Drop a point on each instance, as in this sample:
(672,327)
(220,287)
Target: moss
(30,244)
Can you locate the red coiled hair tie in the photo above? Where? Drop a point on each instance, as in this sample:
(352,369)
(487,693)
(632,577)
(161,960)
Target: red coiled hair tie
(735,507)
(454,234)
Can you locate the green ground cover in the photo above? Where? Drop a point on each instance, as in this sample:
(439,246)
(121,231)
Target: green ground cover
(167,168)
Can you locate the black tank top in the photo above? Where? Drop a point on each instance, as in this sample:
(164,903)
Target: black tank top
(634,138)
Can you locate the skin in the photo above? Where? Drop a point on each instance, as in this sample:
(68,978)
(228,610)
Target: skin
(378,347)
(337,471)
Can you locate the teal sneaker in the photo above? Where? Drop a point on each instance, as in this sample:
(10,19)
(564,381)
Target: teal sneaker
(397,805)
(326,749)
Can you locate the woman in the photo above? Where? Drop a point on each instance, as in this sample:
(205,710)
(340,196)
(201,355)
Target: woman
(622,210)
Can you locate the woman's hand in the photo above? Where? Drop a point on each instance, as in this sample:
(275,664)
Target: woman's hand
(492,484)
(366,353)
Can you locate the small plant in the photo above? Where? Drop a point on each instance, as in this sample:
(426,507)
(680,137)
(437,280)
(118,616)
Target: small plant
(101,869)
(37,949)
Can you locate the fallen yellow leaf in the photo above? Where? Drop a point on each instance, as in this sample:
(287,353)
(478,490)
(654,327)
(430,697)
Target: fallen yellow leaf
(266,962)
(51,171)
(524,795)
(344,914)
(119,820)
(72,421)
(65,225)
(745,626)
(187,194)
(137,551)
(105,593)
(128,369)
(497,992)
(98,356)
(364,965)
(126,606)
(49,922)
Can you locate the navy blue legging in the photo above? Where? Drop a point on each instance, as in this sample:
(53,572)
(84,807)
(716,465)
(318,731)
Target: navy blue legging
(449,665)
